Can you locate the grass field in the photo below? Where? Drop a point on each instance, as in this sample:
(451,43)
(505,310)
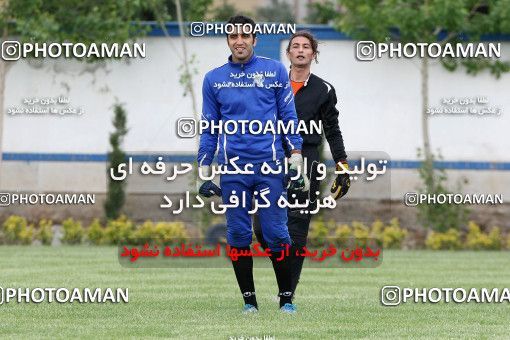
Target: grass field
(206,303)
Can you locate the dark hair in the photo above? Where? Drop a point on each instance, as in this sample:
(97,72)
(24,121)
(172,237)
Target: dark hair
(313,41)
(241,19)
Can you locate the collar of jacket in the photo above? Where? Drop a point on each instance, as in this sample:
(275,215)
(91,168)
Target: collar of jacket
(306,81)
(250,61)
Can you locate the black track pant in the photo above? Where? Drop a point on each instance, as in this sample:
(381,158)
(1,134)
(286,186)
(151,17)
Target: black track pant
(298,224)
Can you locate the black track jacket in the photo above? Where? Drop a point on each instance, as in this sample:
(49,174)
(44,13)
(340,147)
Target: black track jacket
(316,101)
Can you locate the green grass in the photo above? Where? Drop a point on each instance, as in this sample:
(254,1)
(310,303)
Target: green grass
(206,303)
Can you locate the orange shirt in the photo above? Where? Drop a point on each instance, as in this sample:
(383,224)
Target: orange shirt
(296,85)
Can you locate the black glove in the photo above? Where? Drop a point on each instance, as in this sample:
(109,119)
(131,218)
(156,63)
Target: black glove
(341,183)
(208,189)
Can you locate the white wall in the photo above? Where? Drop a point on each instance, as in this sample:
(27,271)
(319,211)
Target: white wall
(379,103)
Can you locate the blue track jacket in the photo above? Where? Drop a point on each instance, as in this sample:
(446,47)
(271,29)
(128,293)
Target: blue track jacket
(256,90)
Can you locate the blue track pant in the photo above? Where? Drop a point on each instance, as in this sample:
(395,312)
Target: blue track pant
(273,220)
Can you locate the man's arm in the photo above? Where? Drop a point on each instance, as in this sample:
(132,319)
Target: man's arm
(287,110)
(293,140)
(342,182)
(331,129)
(211,113)
(208,141)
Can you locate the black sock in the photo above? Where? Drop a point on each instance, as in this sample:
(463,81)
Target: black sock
(295,268)
(282,270)
(243,268)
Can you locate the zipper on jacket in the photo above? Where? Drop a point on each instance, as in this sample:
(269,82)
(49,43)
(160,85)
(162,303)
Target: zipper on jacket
(242,71)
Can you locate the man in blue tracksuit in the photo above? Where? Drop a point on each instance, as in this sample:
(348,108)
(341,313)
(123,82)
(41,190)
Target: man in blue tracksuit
(251,88)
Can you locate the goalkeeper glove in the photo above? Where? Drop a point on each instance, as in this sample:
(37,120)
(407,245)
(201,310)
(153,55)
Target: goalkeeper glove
(341,183)
(302,182)
(207,188)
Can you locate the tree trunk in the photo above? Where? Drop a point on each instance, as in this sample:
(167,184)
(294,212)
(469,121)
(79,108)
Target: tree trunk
(428,167)
(189,85)
(424,107)
(3,75)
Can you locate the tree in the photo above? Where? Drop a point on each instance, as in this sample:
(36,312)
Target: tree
(321,12)
(195,10)
(115,195)
(73,21)
(429,21)
(224,12)
(278,11)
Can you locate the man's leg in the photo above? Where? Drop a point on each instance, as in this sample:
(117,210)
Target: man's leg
(257,229)
(299,224)
(239,233)
(298,230)
(273,221)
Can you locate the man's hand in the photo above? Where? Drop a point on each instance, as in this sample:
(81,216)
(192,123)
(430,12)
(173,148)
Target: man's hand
(302,182)
(341,183)
(207,188)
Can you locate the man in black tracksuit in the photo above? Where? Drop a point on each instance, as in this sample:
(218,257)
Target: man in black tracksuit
(315,100)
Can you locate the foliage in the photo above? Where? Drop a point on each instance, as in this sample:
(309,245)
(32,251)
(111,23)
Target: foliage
(393,235)
(436,216)
(318,233)
(496,239)
(321,12)
(13,227)
(96,232)
(186,74)
(45,232)
(361,233)
(438,21)
(195,10)
(26,236)
(389,236)
(439,241)
(377,230)
(144,233)
(278,11)
(70,21)
(108,21)
(73,231)
(115,196)
(477,240)
(16,230)
(171,232)
(119,230)
(224,12)
(123,230)
(342,235)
